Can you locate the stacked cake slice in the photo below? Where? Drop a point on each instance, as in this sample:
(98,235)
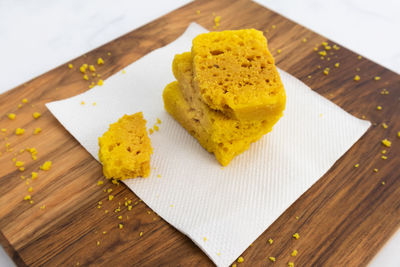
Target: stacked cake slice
(228,93)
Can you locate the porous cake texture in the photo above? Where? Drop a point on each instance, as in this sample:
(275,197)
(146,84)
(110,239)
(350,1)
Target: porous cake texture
(125,149)
(235,74)
(228,93)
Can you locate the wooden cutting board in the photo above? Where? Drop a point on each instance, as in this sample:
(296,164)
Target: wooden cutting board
(343,220)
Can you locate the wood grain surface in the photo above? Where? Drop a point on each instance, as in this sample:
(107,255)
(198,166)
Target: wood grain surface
(343,220)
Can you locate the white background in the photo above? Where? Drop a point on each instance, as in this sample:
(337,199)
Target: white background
(36,36)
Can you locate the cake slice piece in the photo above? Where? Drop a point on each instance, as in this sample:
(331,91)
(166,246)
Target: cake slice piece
(125,148)
(235,74)
(217,133)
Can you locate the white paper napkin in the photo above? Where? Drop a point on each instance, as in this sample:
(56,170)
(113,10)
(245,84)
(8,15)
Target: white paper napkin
(223,210)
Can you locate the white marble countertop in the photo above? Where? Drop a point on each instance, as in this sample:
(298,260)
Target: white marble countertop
(37,36)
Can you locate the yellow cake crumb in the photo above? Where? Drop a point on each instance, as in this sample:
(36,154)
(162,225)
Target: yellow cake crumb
(100,182)
(34,175)
(384,92)
(326,71)
(129,207)
(82,102)
(92,85)
(290,264)
(377,78)
(294,253)
(156,128)
(46,166)
(304,40)
(19,106)
(11,116)
(3,130)
(21,169)
(337,65)
(100,61)
(110,197)
(383,183)
(70,66)
(357,165)
(42,207)
(19,163)
(384,157)
(37,130)
(125,148)
(296,235)
(359,57)
(234,265)
(36,115)
(30,189)
(240,259)
(217,20)
(141,234)
(384,125)
(315,48)
(85,77)
(82,69)
(398,134)
(100,82)
(383,151)
(270,241)
(92,68)
(273,26)
(27,197)
(33,152)
(379,107)
(357,78)
(123,71)
(120,217)
(25,100)
(375,170)
(120,226)
(273,259)
(322,53)
(158,121)
(279,51)
(336,47)
(386,142)
(19,131)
